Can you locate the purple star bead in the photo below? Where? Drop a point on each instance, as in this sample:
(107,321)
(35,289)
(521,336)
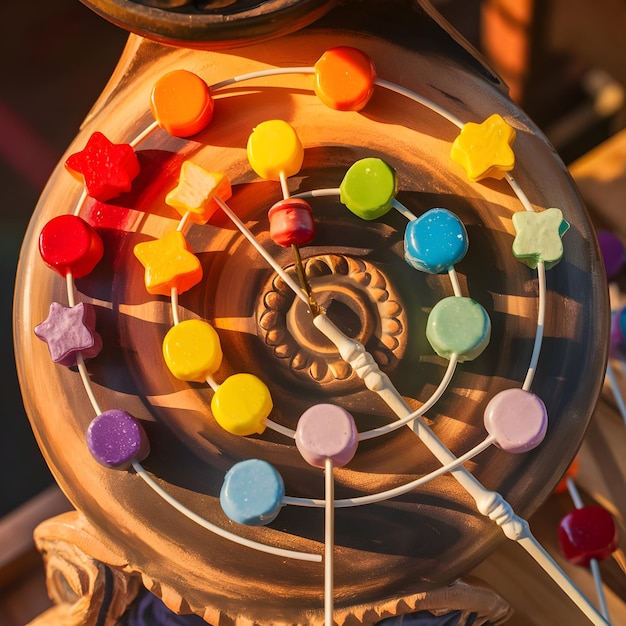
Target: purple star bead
(70,331)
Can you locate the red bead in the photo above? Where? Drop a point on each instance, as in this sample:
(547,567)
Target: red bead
(291,222)
(107,169)
(587,533)
(68,244)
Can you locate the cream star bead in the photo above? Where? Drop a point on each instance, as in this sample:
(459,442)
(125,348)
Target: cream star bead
(538,237)
(484,150)
(196,192)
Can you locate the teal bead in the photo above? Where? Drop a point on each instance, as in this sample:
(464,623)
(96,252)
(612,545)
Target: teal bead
(460,326)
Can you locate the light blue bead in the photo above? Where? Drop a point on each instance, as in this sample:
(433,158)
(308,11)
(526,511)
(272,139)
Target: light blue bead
(435,241)
(252,493)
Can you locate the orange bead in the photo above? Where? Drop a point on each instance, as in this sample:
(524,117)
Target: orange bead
(344,78)
(181,103)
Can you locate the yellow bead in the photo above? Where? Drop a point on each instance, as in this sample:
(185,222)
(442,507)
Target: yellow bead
(192,350)
(484,150)
(274,148)
(168,264)
(241,404)
(196,192)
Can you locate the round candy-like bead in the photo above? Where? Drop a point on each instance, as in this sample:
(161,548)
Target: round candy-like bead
(192,350)
(435,241)
(460,326)
(326,431)
(241,405)
(116,439)
(587,533)
(274,148)
(369,188)
(517,419)
(252,493)
(181,103)
(613,253)
(68,244)
(291,222)
(344,78)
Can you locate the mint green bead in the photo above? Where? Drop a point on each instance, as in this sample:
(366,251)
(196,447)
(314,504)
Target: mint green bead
(458,325)
(369,188)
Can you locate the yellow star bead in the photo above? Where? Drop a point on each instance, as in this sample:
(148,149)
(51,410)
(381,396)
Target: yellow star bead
(196,192)
(168,264)
(192,350)
(241,404)
(484,150)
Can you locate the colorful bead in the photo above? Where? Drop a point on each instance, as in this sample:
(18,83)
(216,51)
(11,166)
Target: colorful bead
(344,78)
(192,350)
(613,253)
(538,237)
(587,533)
(291,222)
(326,431)
(70,331)
(274,149)
(116,439)
(368,188)
(168,264)
(252,493)
(241,405)
(435,241)
(196,192)
(106,169)
(181,103)
(458,326)
(484,150)
(69,245)
(517,419)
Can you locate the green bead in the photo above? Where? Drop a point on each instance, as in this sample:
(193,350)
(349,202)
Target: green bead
(369,188)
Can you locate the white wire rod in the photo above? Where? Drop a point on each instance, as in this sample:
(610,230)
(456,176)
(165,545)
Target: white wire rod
(181,508)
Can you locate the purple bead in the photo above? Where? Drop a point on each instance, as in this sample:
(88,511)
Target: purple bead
(612,252)
(116,439)
(517,419)
(617,342)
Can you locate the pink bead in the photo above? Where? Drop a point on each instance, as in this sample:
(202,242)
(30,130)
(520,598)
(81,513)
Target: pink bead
(68,244)
(326,431)
(291,222)
(517,419)
(587,533)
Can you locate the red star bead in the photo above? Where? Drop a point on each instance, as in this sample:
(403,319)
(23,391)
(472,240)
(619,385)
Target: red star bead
(587,533)
(107,169)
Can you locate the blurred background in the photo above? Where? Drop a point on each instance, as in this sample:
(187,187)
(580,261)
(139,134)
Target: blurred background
(564,61)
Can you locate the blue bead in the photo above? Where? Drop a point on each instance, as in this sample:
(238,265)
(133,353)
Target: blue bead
(252,493)
(435,241)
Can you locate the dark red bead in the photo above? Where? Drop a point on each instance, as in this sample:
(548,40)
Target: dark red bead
(291,222)
(587,533)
